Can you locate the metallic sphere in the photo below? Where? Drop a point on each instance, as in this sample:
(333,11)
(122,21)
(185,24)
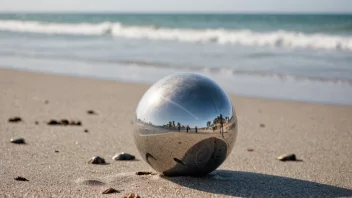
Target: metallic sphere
(185,125)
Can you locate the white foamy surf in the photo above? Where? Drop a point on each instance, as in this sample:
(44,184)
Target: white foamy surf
(279,38)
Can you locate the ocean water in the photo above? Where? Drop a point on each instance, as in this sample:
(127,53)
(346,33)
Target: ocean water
(290,57)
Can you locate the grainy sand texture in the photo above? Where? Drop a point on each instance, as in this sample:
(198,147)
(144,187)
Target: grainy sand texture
(54,158)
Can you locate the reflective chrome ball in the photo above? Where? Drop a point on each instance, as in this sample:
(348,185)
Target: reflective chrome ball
(185,125)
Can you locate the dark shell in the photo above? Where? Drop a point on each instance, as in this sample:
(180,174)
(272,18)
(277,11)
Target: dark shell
(15,119)
(110,190)
(97,160)
(21,179)
(124,156)
(17,140)
(287,157)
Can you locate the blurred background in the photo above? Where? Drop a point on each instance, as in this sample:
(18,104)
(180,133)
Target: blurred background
(292,50)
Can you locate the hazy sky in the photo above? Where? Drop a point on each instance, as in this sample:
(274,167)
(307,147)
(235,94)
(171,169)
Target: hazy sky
(335,6)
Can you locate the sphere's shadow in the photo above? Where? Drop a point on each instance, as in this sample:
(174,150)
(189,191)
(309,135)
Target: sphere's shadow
(247,184)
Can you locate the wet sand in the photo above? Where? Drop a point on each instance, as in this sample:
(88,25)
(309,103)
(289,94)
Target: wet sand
(320,135)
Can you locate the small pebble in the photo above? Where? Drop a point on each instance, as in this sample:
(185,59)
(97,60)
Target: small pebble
(132,195)
(17,140)
(75,123)
(123,156)
(86,130)
(145,173)
(91,112)
(56,151)
(110,190)
(287,157)
(20,179)
(97,160)
(36,122)
(250,150)
(64,122)
(15,119)
(46,101)
(262,125)
(53,122)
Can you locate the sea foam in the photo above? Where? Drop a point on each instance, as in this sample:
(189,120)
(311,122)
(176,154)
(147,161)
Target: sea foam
(280,38)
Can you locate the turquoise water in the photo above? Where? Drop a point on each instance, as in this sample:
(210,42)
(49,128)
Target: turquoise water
(331,24)
(292,57)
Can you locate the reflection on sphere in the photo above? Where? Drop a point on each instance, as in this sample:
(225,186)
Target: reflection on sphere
(185,125)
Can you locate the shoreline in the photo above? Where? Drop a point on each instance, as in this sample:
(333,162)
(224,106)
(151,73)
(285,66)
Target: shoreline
(147,84)
(318,134)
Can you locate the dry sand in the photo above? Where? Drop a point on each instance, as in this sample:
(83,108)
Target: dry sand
(320,135)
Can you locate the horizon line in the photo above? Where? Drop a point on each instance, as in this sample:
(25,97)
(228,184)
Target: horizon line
(169,12)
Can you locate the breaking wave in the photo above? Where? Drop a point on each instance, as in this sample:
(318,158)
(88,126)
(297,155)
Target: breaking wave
(278,38)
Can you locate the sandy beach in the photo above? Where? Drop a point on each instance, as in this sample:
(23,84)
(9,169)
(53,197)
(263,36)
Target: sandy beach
(54,158)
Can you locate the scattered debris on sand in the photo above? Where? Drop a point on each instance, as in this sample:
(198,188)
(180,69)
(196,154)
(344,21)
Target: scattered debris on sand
(123,156)
(97,160)
(75,123)
(287,157)
(64,122)
(250,150)
(110,190)
(17,140)
(132,195)
(145,173)
(21,179)
(91,112)
(15,119)
(262,125)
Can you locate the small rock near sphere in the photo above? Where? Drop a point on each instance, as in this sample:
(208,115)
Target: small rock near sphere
(15,119)
(287,157)
(132,195)
(17,140)
(123,156)
(110,190)
(20,179)
(97,160)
